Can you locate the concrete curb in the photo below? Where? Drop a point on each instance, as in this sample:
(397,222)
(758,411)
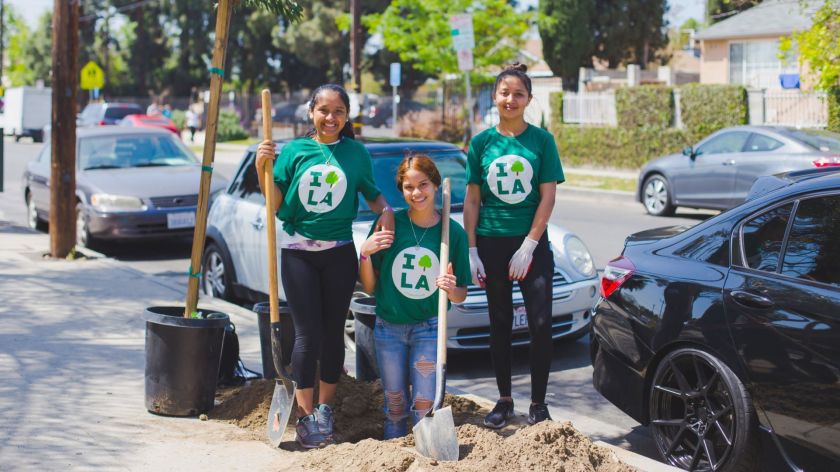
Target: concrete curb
(619,196)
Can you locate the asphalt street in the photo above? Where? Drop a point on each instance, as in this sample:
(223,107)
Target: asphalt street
(602,221)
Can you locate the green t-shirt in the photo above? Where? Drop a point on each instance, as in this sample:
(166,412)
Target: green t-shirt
(320,199)
(405,288)
(510,171)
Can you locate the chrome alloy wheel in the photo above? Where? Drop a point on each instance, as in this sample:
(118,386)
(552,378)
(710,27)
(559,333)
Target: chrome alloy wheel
(214,274)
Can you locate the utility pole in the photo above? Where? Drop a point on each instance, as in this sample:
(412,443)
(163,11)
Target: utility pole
(65,76)
(356,58)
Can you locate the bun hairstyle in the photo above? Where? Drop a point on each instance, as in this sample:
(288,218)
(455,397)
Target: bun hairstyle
(419,162)
(516,70)
(347,130)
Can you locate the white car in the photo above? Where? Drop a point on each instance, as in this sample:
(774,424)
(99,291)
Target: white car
(235,266)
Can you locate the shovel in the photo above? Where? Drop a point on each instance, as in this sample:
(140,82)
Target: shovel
(283,399)
(434,435)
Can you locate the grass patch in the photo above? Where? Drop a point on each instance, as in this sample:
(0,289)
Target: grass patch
(245,141)
(598,182)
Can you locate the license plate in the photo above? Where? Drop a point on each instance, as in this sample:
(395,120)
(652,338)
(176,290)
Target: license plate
(520,318)
(184,219)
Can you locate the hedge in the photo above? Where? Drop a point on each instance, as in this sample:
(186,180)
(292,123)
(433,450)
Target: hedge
(607,146)
(555,105)
(228,128)
(707,108)
(834,109)
(646,106)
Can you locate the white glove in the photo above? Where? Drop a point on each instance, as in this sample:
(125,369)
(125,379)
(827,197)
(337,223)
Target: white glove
(520,263)
(476,268)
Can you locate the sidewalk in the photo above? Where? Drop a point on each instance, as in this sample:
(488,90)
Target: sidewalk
(72,363)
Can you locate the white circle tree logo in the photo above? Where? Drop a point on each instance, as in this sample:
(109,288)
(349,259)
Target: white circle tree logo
(414,271)
(509,178)
(321,188)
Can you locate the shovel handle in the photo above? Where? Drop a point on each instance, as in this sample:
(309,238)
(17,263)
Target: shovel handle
(443,301)
(271,232)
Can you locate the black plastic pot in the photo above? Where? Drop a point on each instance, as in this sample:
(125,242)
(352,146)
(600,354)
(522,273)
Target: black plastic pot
(182,360)
(286,336)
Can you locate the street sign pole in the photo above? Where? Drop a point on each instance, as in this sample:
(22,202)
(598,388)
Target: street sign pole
(463,41)
(396,79)
(470,129)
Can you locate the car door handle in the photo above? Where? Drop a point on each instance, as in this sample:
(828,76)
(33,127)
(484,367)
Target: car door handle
(751,300)
(730,162)
(258,223)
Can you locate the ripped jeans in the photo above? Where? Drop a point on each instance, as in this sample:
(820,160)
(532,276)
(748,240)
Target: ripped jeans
(406,354)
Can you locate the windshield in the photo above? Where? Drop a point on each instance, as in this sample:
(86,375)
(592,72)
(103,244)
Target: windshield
(115,152)
(121,112)
(821,140)
(449,163)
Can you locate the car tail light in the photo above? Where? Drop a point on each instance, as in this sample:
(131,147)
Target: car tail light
(616,273)
(102,123)
(828,161)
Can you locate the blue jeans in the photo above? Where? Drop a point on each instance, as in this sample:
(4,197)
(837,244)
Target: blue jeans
(406,354)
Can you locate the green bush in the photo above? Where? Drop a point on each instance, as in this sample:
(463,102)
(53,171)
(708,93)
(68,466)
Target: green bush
(648,106)
(229,128)
(834,109)
(555,106)
(607,146)
(708,108)
(179,117)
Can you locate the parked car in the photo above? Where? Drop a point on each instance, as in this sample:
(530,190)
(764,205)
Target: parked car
(382,113)
(285,113)
(150,121)
(235,266)
(725,338)
(131,183)
(717,172)
(107,113)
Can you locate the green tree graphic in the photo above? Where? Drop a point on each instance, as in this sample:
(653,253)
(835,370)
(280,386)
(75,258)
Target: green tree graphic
(425,262)
(332,178)
(517,167)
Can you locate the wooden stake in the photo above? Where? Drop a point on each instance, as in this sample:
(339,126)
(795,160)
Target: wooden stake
(270,196)
(223,14)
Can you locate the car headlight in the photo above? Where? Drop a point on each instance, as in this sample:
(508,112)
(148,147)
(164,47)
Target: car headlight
(578,256)
(115,203)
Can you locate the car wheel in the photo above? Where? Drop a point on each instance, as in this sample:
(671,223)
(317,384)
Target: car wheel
(83,237)
(701,416)
(32,219)
(656,196)
(217,276)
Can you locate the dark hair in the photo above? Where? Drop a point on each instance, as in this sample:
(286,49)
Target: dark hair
(347,130)
(419,162)
(516,70)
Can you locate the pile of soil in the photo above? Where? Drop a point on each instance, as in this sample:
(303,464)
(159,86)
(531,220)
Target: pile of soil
(359,429)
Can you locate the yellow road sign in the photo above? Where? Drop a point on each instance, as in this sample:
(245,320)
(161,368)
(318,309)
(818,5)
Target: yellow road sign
(92,77)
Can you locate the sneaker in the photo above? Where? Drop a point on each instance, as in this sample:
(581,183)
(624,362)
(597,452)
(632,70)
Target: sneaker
(324,414)
(538,412)
(307,433)
(500,414)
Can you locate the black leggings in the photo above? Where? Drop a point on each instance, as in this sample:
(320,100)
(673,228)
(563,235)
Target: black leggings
(495,253)
(318,286)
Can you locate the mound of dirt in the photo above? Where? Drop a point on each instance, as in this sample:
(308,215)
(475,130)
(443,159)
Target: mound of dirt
(359,429)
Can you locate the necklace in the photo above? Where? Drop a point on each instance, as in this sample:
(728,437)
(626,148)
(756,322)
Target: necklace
(417,241)
(332,150)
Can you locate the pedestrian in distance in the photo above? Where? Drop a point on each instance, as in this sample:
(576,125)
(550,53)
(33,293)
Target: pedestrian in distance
(512,174)
(317,179)
(402,268)
(192,122)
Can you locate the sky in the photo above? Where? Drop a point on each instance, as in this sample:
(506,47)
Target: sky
(681,10)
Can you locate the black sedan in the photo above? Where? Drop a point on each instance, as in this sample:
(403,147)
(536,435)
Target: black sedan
(725,338)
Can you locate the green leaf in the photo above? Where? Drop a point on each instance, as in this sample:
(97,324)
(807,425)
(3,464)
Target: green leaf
(517,167)
(288,9)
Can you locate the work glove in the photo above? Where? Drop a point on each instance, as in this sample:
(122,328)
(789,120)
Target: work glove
(476,268)
(520,263)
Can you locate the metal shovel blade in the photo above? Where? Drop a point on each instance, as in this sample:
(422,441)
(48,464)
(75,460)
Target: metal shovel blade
(280,410)
(283,399)
(435,437)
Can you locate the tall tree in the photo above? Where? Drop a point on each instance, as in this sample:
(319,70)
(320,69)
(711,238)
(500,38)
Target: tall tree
(718,10)
(564,27)
(15,39)
(37,52)
(629,31)
(819,46)
(192,23)
(317,40)
(149,49)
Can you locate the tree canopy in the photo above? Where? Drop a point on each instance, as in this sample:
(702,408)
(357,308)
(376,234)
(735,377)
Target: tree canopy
(819,46)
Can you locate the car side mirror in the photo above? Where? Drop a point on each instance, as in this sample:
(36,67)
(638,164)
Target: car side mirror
(689,152)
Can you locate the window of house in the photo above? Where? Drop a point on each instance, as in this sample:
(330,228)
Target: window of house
(757,64)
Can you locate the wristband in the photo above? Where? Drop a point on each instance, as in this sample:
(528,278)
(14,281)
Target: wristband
(387,208)
(362,257)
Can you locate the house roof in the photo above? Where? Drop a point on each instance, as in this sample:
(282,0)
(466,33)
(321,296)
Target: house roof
(769,18)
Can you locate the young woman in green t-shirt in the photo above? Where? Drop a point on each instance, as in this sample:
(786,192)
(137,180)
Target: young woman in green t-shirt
(402,268)
(317,179)
(512,174)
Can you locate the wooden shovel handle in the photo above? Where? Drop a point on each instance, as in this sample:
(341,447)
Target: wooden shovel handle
(270,230)
(443,297)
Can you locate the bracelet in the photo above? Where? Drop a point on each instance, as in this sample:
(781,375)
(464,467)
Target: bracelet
(387,208)
(362,257)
